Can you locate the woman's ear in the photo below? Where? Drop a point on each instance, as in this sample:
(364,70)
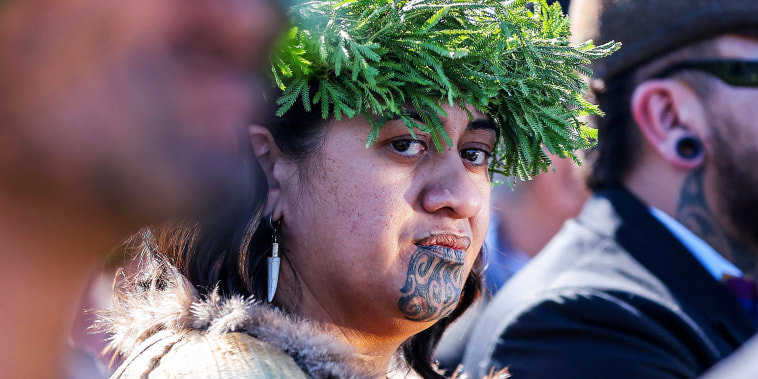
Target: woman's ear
(269,157)
(668,115)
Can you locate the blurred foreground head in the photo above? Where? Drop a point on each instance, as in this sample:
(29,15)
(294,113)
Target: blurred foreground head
(133,107)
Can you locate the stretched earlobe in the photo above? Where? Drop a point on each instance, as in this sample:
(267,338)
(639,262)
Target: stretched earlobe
(684,150)
(665,112)
(689,148)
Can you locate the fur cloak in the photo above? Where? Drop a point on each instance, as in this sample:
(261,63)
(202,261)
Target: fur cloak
(161,300)
(159,310)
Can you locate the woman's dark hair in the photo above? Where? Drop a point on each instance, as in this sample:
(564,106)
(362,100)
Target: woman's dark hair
(229,251)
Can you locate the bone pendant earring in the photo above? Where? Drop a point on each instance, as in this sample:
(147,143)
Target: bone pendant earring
(273,260)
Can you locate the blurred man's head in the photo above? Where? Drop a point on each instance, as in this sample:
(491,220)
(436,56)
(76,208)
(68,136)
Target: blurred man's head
(679,98)
(654,35)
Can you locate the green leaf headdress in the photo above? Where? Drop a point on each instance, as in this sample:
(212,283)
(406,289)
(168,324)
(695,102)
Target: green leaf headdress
(374,57)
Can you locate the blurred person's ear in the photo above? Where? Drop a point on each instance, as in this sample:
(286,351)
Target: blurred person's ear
(670,117)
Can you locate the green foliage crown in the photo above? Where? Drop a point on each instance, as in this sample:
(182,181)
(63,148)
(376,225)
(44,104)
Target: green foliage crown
(511,61)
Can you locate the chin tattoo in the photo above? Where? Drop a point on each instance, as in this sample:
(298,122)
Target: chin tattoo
(433,285)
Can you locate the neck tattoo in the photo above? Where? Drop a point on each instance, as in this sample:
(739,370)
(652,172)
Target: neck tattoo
(694,213)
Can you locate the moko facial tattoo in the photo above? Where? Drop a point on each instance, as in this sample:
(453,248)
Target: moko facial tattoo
(376,58)
(433,284)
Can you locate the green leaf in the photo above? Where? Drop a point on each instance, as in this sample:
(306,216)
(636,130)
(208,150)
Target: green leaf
(372,58)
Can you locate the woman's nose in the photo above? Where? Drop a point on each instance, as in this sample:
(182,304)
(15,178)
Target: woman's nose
(452,188)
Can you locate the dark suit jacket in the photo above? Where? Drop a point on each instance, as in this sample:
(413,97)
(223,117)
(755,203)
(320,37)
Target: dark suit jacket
(613,295)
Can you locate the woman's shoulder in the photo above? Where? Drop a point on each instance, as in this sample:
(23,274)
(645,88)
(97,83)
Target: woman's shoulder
(198,354)
(164,321)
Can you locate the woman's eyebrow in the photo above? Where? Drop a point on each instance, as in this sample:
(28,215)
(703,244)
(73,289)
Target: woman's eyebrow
(413,114)
(410,112)
(482,124)
(477,124)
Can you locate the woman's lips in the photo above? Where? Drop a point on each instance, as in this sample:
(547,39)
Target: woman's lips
(451,241)
(447,247)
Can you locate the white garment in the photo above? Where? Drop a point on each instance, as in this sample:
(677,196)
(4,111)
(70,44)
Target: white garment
(713,262)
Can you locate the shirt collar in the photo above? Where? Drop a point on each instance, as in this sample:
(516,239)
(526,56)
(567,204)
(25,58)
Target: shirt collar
(713,262)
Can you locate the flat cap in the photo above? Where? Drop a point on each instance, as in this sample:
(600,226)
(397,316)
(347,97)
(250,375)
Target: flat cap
(649,28)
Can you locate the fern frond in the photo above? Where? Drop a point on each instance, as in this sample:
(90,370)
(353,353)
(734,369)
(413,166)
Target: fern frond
(371,58)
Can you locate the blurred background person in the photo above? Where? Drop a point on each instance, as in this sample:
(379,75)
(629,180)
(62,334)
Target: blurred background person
(113,115)
(640,284)
(523,218)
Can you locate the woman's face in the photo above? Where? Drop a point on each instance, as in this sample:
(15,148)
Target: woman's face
(388,232)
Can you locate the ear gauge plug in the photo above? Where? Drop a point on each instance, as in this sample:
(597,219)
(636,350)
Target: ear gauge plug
(689,148)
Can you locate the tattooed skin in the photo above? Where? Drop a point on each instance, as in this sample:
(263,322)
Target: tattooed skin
(434,283)
(694,213)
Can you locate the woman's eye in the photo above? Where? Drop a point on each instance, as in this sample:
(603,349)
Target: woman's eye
(409,147)
(477,157)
